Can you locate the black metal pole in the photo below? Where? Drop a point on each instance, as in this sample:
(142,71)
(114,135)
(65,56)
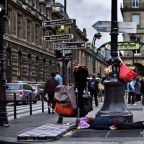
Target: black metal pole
(15,116)
(63,63)
(3,113)
(114,105)
(65,7)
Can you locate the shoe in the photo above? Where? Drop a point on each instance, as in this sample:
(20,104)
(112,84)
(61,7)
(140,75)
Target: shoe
(53,112)
(49,112)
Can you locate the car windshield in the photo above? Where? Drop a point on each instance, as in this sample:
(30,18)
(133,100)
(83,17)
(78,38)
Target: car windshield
(34,86)
(13,87)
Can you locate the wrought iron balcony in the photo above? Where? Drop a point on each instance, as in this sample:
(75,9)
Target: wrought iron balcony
(130,5)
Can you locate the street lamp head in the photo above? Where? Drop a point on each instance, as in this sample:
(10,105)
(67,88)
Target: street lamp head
(98,35)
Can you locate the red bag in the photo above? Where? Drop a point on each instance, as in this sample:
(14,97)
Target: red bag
(126,74)
(64,110)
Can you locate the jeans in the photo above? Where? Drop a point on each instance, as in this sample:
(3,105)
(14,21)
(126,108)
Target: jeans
(131,97)
(94,93)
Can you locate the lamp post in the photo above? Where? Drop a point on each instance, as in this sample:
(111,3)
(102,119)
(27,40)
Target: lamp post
(114,105)
(96,36)
(3,113)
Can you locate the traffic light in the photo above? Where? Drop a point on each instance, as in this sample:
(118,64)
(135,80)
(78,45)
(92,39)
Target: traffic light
(98,35)
(3,7)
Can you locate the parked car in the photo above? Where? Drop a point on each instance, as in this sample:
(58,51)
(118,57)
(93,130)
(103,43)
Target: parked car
(38,90)
(23,92)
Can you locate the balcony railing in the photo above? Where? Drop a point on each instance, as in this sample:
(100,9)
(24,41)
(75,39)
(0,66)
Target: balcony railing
(130,5)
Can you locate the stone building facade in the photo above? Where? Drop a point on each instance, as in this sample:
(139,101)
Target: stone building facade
(28,58)
(133,11)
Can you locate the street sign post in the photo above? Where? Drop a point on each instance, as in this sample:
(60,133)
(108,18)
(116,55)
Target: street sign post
(123,27)
(57,22)
(126,46)
(69,45)
(57,37)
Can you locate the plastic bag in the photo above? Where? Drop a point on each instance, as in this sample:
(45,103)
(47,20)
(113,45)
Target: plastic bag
(126,74)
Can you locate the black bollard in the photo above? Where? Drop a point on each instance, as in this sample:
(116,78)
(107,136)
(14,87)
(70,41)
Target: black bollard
(42,100)
(30,98)
(15,116)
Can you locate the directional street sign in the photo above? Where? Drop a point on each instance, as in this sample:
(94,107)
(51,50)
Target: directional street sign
(57,22)
(126,46)
(69,45)
(123,27)
(57,37)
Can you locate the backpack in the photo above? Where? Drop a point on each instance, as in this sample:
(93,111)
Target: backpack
(92,85)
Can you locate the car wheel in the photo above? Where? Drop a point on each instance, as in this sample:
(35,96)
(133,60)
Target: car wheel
(26,101)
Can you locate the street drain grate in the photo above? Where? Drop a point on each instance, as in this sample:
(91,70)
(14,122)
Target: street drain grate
(125,133)
(90,133)
(135,109)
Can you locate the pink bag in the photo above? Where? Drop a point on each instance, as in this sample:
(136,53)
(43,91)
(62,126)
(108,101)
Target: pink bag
(126,74)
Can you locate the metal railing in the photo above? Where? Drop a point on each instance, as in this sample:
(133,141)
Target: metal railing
(130,5)
(30,105)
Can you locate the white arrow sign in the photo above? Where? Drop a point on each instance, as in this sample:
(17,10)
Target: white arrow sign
(123,27)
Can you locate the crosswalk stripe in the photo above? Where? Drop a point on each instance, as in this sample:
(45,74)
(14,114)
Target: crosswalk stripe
(24,110)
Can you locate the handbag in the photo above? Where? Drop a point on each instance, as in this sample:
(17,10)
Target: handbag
(64,110)
(45,97)
(126,74)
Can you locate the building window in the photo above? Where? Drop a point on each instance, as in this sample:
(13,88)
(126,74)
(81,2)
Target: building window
(37,34)
(14,24)
(33,32)
(19,65)
(135,3)
(24,28)
(28,30)
(29,66)
(136,18)
(33,3)
(8,56)
(19,26)
(40,36)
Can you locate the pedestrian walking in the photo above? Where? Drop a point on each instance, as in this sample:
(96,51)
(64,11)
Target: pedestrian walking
(49,89)
(131,92)
(138,90)
(58,77)
(141,79)
(93,88)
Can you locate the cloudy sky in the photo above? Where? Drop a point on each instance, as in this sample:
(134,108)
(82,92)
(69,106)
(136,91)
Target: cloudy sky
(88,12)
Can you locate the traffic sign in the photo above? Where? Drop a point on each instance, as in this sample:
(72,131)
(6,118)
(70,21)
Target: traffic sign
(69,45)
(68,54)
(126,46)
(123,27)
(57,22)
(57,37)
